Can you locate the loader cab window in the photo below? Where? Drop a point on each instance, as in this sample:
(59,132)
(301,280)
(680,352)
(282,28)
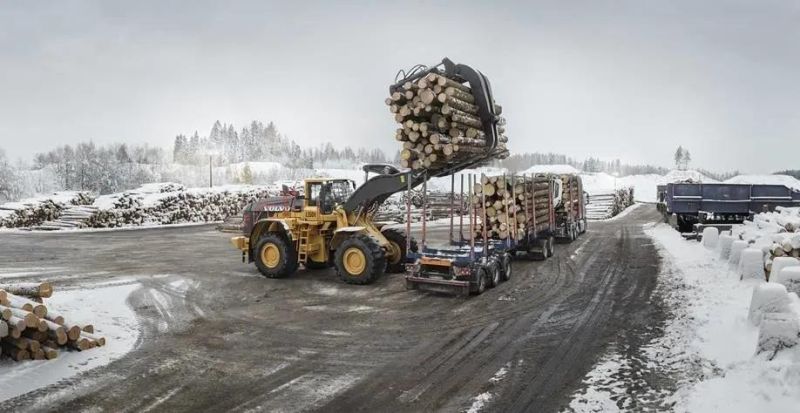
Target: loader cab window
(313,193)
(333,194)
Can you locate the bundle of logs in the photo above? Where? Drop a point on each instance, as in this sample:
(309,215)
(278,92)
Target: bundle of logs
(604,205)
(786,242)
(439,123)
(29,330)
(35,211)
(502,204)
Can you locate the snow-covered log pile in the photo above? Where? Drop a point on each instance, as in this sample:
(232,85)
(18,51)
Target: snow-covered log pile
(35,211)
(172,204)
(505,204)
(609,204)
(30,330)
(439,123)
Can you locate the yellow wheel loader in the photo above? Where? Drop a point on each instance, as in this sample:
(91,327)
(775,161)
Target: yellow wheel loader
(331,224)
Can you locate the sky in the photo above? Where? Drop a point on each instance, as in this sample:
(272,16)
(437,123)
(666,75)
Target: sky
(611,79)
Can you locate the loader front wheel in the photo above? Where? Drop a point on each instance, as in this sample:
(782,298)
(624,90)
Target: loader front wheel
(360,260)
(274,257)
(397,242)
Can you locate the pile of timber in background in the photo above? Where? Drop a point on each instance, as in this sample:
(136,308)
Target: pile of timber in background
(506,204)
(439,123)
(29,330)
(35,211)
(605,205)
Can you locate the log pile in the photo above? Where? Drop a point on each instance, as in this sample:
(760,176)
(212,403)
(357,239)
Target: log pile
(36,211)
(29,330)
(785,242)
(605,205)
(439,123)
(507,204)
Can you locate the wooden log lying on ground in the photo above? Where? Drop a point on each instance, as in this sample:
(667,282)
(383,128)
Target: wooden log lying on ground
(41,290)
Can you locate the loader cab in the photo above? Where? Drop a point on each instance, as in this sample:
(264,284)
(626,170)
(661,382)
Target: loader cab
(324,195)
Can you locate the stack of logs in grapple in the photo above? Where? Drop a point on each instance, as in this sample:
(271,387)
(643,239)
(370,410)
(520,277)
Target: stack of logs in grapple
(503,204)
(439,124)
(29,330)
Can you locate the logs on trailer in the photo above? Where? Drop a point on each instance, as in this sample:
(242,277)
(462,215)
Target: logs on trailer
(29,331)
(439,123)
(505,204)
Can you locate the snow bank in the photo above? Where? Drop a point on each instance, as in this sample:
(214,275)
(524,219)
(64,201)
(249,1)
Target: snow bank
(710,237)
(724,246)
(767,298)
(736,251)
(778,331)
(552,169)
(786,180)
(751,264)
(789,277)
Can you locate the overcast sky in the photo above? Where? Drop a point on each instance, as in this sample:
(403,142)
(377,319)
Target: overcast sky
(617,79)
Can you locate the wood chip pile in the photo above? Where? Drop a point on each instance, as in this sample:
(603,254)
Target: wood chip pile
(30,330)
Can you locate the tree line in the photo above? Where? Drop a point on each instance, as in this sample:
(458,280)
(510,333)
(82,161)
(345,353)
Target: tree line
(257,142)
(522,161)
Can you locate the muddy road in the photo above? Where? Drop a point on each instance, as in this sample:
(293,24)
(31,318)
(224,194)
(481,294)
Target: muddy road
(231,340)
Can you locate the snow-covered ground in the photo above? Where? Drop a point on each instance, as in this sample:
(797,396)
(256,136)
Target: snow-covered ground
(103,306)
(705,359)
(786,180)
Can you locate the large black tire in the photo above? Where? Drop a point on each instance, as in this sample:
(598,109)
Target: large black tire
(541,254)
(360,260)
(550,247)
(398,238)
(506,269)
(482,281)
(495,274)
(275,257)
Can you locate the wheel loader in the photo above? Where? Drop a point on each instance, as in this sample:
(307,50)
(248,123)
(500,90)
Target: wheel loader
(331,224)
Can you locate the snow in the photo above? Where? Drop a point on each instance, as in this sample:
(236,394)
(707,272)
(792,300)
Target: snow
(786,180)
(751,264)
(724,246)
(107,310)
(552,169)
(736,251)
(708,347)
(710,237)
(767,298)
(789,277)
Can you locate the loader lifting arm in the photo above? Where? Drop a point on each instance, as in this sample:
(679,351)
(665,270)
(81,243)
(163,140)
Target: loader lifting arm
(391,180)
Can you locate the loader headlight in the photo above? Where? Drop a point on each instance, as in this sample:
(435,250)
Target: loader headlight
(461,271)
(412,267)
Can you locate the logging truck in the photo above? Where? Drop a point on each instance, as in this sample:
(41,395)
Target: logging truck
(332,224)
(509,216)
(570,207)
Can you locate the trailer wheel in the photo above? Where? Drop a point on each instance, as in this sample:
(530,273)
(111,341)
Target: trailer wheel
(495,274)
(506,266)
(550,247)
(397,242)
(481,282)
(274,257)
(360,260)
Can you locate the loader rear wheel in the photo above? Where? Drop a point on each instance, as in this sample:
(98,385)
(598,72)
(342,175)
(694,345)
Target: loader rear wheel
(397,242)
(274,257)
(360,260)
